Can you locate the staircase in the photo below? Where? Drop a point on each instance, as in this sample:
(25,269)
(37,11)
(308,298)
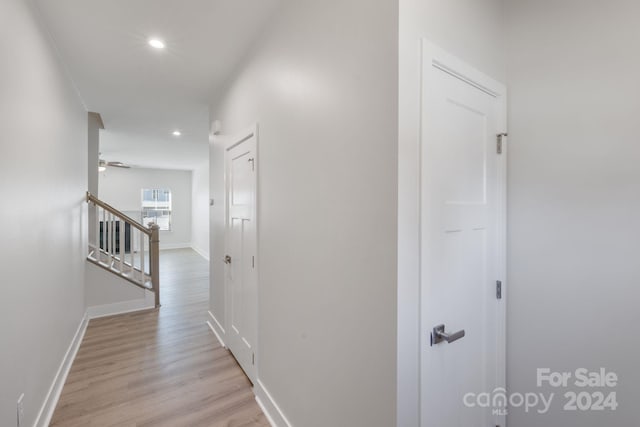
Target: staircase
(123,246)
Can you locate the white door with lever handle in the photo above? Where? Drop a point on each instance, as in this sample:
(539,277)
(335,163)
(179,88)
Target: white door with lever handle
(462,242)
(241,280)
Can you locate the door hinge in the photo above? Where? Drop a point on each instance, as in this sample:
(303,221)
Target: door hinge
(498,289)
(253,164)
(253,358)
(253,262)
(499,142)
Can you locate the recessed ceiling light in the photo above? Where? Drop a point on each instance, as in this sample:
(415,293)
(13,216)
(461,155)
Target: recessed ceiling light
(177,133)
(156,43)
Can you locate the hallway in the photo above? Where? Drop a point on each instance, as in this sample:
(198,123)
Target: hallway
(160,367)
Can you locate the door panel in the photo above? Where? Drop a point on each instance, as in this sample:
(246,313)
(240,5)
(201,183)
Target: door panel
(236,272)
(460,248)
(463,153)
(241,180)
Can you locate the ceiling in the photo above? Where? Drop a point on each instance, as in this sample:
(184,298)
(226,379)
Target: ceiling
(144,94)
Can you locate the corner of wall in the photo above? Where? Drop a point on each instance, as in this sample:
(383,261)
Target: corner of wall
(204,254)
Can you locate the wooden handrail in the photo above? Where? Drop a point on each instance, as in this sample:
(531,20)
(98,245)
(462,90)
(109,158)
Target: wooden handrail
(114,238)
(91,198)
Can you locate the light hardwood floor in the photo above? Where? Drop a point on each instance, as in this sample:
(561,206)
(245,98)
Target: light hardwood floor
(160,367)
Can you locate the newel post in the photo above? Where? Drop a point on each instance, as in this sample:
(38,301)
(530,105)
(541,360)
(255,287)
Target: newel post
(154,260)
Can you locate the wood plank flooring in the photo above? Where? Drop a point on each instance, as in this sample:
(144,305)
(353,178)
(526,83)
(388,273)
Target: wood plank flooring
(159,367)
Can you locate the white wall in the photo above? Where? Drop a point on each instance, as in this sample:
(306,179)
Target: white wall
(574,199)
(200,209)
(121,188)
(43,178)
(322,85)
(472,30)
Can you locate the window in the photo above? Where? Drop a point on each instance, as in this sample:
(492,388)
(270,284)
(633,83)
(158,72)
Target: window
(156,207)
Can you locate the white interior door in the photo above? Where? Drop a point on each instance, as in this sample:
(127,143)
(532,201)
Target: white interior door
(241,250)
(462,242)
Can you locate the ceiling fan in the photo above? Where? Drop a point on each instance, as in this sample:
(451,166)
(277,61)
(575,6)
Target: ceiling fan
(102,165)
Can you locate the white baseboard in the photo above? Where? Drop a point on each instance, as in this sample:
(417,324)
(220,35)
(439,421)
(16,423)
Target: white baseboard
(216,328)
(200,252)
(46,411)
(271,410)
(165,246)
(123,307)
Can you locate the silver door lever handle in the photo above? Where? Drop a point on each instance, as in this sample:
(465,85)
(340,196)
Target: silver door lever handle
(440,335)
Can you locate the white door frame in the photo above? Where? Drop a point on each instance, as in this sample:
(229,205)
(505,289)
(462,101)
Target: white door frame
(433,56)
(232,141)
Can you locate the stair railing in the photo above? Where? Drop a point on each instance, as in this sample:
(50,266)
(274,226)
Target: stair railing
(119,244)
